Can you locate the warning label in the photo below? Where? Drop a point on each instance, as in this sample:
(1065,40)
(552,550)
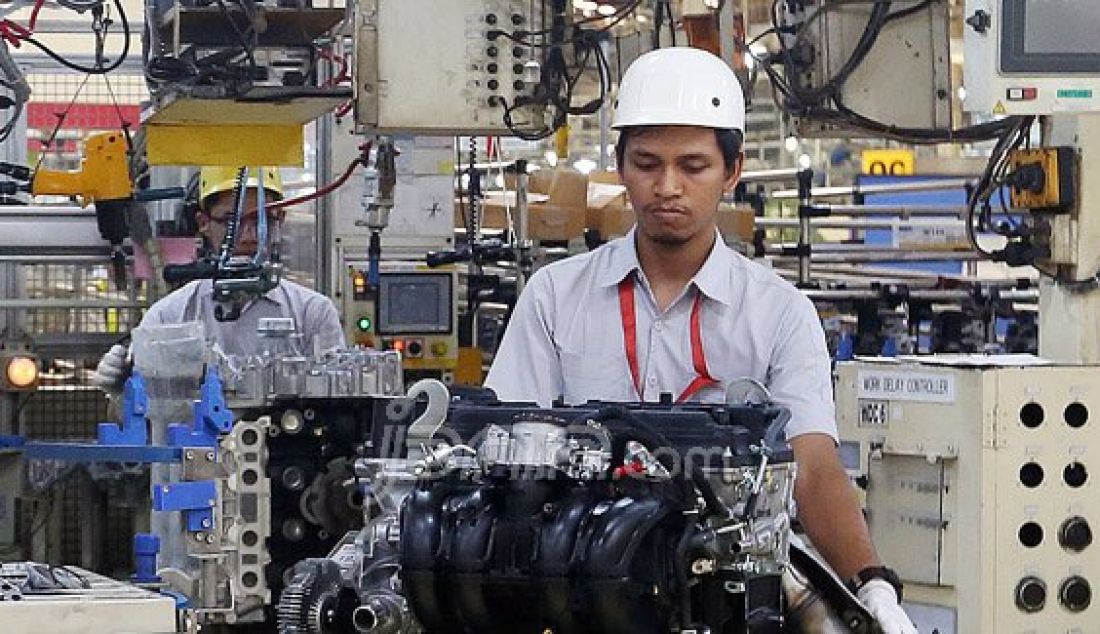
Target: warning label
(894,385)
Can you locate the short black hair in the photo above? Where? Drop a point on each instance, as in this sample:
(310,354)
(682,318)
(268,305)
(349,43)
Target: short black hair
(729,142)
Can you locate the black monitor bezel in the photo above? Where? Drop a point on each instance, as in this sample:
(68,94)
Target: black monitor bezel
(445,280)
(1015,59)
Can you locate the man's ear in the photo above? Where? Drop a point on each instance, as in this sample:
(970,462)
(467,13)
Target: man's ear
(734,173)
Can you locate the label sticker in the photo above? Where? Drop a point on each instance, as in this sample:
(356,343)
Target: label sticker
(1074,99)
(899,385)
(949,235)
(874,413)
(1075,93)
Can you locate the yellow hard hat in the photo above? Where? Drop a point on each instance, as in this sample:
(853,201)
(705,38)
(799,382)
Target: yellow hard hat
(215,180)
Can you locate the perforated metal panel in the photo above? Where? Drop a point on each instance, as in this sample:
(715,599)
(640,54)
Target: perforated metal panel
(69,313)
(988,472)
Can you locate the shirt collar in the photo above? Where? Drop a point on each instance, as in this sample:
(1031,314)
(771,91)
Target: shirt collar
(623,260)
(274,294)
(712,279)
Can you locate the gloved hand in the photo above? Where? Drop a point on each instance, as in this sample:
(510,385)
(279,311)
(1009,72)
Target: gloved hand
(882,602)
(113,369)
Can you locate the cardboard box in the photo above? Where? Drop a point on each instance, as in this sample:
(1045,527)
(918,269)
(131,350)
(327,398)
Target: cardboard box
(493,208)
(736,222)
(557,203)
(563,202)
(609,210)
(612,218)
(562,216)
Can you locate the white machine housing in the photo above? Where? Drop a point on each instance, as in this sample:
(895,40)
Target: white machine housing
(910,51)
(978,489)
(430,67)
(1024,57)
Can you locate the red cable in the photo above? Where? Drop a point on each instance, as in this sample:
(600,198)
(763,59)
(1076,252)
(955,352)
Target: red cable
(327,189)
(341,76)
(343,110)
(34,14)
(14,33)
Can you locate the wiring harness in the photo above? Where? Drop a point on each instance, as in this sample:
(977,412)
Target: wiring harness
(558,81)
(786,70)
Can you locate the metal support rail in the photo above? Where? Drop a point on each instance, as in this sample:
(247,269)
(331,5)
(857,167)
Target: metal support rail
(867,190)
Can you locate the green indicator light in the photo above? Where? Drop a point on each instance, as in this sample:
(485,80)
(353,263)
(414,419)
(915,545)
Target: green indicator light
(363,324)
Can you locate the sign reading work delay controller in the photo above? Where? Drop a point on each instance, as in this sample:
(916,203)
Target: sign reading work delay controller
(894,385)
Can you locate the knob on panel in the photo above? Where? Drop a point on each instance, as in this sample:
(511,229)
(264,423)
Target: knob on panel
(1031,594)
(1075,534)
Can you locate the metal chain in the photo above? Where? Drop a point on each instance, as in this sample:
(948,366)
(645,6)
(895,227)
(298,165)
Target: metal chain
(474,187)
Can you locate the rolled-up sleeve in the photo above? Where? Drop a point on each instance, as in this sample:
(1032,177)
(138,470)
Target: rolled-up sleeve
(800,371)
(527,367)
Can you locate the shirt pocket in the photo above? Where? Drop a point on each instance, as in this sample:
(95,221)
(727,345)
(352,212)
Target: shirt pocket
(588,376)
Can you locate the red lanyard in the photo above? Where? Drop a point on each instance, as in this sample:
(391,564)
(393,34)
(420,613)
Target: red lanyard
(630,342)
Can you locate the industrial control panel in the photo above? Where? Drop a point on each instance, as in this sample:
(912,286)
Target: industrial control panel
(463,71)
(977,483)
(1029,57)
(411,310)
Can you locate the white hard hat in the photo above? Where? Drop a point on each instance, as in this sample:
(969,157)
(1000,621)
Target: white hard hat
(680,85)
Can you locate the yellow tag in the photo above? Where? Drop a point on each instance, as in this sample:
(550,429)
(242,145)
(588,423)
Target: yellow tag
(999,108)
(888,162)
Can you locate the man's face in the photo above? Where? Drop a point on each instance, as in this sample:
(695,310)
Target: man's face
(675,177)
(214,220)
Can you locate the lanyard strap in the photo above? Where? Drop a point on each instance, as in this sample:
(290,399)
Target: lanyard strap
(629,317)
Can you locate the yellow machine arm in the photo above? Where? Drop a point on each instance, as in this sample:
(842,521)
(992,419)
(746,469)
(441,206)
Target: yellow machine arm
(104,173)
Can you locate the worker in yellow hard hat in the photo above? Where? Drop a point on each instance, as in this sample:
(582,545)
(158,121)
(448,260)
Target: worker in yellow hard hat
(217,189)
(314,315)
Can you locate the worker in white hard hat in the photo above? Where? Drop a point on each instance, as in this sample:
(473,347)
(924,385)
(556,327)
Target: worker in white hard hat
(315,317)
(670,309)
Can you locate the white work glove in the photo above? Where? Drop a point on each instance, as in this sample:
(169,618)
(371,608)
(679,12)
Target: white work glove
(113,370)
(878,596)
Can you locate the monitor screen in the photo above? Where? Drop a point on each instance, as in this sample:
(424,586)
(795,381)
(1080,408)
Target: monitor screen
(1049,37)
(412,303)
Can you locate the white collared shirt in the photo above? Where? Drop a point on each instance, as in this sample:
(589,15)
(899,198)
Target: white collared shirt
(314,315)
(565,337)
